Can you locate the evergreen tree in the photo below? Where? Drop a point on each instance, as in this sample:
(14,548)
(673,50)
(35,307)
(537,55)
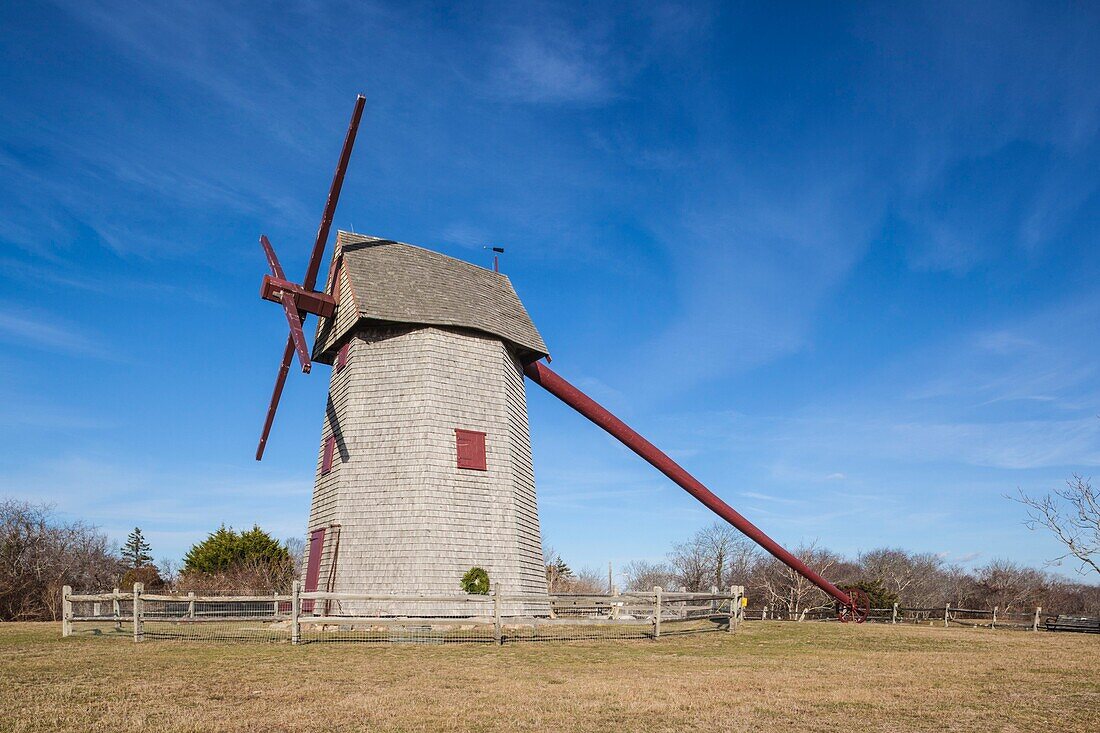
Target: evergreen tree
(226,548)
(136,550)
(877,594)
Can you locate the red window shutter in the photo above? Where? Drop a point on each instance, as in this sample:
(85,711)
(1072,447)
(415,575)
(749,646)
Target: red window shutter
(313,565)
(342,357)
(326,459)
(470,448)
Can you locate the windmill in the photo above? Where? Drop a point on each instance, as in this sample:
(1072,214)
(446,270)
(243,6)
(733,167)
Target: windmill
(424,468)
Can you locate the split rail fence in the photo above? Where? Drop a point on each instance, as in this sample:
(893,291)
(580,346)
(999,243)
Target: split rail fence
(995,618)
(314,616)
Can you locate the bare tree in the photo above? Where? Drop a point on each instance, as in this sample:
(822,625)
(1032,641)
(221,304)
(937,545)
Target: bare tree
(782,587)
(39,555)
(296,547)
(1010,586)
(642,575)
(691,565)
(1072,514)
(715,555)
(916,578)
(730,553)
(558,572)
(586,580)
(169,571)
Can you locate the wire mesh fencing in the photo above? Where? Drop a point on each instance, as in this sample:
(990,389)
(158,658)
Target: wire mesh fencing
(101,614)
(325,617)
(945,616)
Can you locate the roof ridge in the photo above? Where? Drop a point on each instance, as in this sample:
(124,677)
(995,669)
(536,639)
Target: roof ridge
(437,253)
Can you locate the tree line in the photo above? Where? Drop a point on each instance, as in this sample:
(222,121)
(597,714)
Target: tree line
(40,553)
(720,556)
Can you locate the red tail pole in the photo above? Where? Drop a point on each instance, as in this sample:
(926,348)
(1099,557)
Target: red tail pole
(582,403)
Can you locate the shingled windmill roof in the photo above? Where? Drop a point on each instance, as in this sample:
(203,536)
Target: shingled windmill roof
(383,281)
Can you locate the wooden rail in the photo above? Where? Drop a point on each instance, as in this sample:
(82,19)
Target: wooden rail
(621,609)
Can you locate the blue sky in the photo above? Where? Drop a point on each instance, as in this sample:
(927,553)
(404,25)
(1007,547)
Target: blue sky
(840,262)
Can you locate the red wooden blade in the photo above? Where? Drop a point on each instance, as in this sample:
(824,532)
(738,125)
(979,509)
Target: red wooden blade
(293,317)
(280,380)
(333,196)
(272,260)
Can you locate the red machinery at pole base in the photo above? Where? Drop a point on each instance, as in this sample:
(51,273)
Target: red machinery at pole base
(858,611)
(852,608)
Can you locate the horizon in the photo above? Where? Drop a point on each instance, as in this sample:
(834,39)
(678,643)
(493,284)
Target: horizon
(839,263)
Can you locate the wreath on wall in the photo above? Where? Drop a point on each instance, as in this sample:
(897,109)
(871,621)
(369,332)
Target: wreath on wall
(476,581)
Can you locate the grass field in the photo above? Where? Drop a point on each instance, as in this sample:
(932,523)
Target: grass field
(770,676)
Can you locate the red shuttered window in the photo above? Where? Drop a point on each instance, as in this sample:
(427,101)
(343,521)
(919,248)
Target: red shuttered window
(313,565)
(342,357)
(470,446)
(326,458)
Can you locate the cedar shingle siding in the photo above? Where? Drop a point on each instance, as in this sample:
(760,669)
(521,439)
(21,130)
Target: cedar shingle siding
(410,520)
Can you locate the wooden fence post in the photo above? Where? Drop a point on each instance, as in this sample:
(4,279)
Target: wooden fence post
(139,627)
(116,609)
(190,604)
(295,612)
(946,611)
(735,601)
(656,612)
(66,611)
(894,614)
(275,605)
(1035,624)
(993,624)
(764,613)
(498,630)
(97,609)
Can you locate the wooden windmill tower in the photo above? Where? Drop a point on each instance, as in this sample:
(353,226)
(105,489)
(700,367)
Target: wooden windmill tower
(424,468)
(425,463)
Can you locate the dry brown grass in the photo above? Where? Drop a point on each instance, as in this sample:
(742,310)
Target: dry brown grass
(770,676)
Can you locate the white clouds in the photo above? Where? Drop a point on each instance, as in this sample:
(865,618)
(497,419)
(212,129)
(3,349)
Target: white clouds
(550,71)
(1046,357)
(26,328)
(991,112)
(1013,444)
(769,498)
(754,265)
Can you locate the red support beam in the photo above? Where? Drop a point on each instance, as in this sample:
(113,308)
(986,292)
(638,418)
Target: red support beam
(546,378)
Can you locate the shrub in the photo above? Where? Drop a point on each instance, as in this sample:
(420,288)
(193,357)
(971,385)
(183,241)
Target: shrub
(878,594)
(147,575)
(225,548)
(237,561)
